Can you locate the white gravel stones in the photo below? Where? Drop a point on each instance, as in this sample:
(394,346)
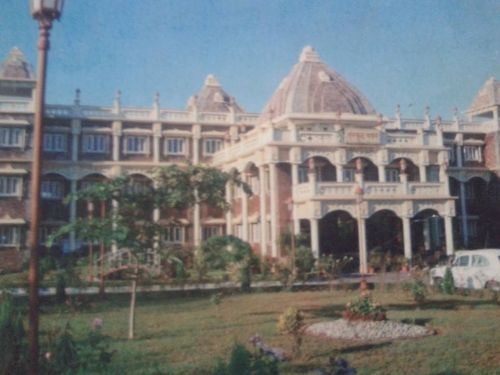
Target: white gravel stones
(367,331)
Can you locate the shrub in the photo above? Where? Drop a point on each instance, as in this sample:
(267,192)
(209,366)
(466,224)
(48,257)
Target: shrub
(363,308)
(304,261)
(13,345)
(418,291)
(291,322)
(448,284)
(242,362)
(60,288)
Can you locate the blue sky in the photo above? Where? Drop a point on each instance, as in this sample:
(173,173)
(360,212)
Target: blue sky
(414,53)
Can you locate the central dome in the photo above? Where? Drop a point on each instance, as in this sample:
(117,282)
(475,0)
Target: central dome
(313,87)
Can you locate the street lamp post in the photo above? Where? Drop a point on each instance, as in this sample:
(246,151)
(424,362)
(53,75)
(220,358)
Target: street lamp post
(45,12)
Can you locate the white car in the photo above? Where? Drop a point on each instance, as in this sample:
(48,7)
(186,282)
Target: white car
(472,269)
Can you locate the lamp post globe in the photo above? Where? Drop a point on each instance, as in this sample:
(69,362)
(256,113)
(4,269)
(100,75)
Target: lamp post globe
(45,12)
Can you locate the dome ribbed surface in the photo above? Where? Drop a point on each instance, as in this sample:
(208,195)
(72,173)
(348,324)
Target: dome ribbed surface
(488,95)
(16,66)
(213,98)
(313,87)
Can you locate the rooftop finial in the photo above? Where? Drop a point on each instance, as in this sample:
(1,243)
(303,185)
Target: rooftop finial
(309,54)
(211,81)
(77,96)
(156,99)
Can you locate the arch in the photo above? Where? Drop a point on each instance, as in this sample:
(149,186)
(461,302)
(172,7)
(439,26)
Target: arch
(324,170)
(427,232)
(398,165)
(369,169)
(384,235)
(338,235)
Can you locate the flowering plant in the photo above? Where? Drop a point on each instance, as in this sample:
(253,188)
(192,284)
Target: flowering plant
(363,308)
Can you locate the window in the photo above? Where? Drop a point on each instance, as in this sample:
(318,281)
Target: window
(237,230)
(174,234)
(11,137)
(138,187)
(349,174)
(52,189)
(452,151)
(462,261)
(392,175)
(211,146)
(10,186)
(473,153)
(470,191)
(211,231)
(95,143)
(254,232)
(9,236)
(432,173)
(303,177)
(54,142)
(136,145)
(175,146)
(472,225)
(479,261)
(45,232)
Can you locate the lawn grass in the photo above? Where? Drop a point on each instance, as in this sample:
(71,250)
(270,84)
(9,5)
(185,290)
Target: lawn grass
(186,335)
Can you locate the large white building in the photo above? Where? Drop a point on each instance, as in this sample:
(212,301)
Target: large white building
(320,160)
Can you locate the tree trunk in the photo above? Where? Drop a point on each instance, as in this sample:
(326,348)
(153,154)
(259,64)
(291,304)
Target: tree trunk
(131,318)
(101,283)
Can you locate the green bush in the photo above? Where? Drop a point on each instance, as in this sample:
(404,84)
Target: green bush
(304,261)
(448,284)
(60,288)
(242,362)
(418,291)
(13,345)
(363,308)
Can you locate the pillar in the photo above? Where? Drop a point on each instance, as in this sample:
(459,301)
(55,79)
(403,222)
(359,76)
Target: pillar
(449,235)
(229,212)
(463,215)
(340,173)
(295,175)
(315,237)
(156,142)
(114,207)
(273,194)
(117,132)
(196,143)
(244,210)
(407,237)
(363,253)
(196,224)
(262,209)
(422,170)
(76,128)
(72,215)
(381,173)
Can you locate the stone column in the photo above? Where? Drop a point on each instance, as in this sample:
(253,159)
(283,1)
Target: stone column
(449,235)
(340,173)
(156,142)
(196,143)
(407,236)
(229,212)
(263,210)
(363,253)
(315,237)
(311,175)
(244,210)
(273,194)
(295,174)
(117,133)
(76,129)
(463,215)
(72,215)
(381,173)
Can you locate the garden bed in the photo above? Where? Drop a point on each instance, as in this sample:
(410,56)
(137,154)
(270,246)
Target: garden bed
(367,330)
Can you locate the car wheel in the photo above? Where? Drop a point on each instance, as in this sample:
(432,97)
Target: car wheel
(493,285)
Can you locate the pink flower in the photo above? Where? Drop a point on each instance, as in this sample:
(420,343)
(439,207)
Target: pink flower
(97,323)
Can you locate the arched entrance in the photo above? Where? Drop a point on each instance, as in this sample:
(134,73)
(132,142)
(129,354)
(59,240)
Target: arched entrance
(384,232)
(338,236)
(427,229)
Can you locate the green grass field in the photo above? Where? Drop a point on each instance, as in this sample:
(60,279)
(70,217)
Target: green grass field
(186,335)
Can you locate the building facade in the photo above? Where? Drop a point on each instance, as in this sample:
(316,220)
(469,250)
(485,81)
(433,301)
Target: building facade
(319,159)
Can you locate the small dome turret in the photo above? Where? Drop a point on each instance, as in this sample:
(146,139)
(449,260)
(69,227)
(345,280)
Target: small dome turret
(213,98)
(16,66)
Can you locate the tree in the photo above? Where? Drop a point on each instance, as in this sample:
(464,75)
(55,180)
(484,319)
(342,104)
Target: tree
(131,226)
